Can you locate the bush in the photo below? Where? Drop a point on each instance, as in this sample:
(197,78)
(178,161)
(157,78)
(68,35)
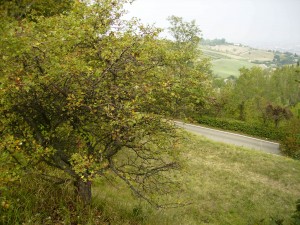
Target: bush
(240,126)
(296,215)
(290,144)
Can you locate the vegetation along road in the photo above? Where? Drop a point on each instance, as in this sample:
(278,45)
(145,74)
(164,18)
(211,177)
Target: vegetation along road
(231,138)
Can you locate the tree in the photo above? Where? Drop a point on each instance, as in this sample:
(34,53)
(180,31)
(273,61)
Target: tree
(284,90)
(290,145)
(247,92)
(189,70)
(277,113)
(20,9)
(184,81)
(73,93)
(184,32)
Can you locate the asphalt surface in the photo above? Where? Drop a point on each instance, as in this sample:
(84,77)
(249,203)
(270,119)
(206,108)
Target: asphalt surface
(232,138)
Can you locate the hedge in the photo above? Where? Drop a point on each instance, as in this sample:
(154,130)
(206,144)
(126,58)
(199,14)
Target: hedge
(243,127)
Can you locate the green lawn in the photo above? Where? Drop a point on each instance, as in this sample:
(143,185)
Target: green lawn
(229,67)
(224,184)
(215,55)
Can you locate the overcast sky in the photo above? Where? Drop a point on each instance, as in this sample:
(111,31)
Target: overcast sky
(252,22)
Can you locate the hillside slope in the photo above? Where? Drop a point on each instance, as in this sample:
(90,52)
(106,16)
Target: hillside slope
(228,58)
(223,184)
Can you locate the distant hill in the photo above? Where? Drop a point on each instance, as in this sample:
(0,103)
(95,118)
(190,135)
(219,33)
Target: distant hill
(228,58)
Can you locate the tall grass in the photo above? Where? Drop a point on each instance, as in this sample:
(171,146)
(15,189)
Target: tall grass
(224,184)
(33,200)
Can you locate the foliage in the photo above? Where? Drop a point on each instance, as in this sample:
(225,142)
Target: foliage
(291,142)
(242,98)
(214,42)
(189,80)
(80,92)
(286,58)
(277,113)
(296,215)
(256,88)
(248,86)
(184,32)
(284,90)
(259,98)
(241,126)
(20,9)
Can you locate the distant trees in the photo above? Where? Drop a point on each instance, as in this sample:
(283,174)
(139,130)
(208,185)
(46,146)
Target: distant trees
(247,93)
(286,58)
(283,88)
(256,88)
(267,98)
(214,42)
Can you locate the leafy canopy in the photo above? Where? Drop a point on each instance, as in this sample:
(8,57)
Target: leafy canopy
(80,93)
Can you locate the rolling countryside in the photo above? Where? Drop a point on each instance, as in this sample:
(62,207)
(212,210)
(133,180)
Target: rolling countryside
(228,58)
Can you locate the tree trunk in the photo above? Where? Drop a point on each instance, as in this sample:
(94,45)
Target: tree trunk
(242,111)
(276,123)
(83,190)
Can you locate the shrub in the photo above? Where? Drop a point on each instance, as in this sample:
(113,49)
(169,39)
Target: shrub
(290,144)
(296,215)
(244,127)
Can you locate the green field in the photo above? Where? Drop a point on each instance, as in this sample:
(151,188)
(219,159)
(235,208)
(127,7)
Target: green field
(229,67)
(215,55)
(259,55)
(228,59)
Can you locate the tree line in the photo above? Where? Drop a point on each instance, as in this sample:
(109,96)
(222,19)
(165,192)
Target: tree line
(264,97)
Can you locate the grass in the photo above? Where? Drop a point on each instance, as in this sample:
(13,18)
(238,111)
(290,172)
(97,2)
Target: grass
(259,55)
(224,184)
(229,67)
(214,54)
(239,52)
(228,59)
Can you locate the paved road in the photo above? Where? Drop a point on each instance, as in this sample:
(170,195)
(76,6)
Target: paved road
(231,138)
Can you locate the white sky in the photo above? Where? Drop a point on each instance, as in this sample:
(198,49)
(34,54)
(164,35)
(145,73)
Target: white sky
(253,22)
